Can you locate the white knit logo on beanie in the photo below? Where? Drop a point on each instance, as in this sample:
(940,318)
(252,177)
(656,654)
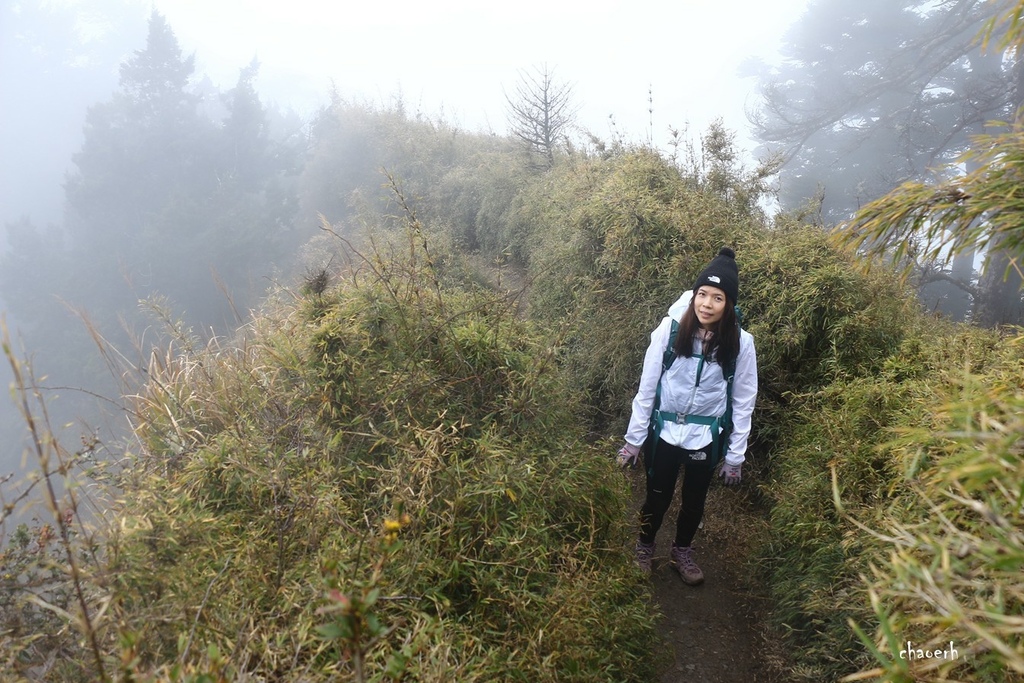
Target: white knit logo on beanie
(715,279)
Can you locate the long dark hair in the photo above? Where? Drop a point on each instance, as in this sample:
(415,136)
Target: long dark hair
(723,346)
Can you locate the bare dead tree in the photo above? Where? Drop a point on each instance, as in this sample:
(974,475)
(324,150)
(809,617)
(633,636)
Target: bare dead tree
(540,111)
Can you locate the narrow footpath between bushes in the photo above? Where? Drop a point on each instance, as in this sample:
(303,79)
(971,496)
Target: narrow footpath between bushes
(715,632)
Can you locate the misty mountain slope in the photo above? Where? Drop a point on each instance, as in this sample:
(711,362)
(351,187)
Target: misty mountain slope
(387,475)
(393,469)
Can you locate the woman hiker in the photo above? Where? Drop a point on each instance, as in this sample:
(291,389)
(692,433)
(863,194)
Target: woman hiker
(683,406)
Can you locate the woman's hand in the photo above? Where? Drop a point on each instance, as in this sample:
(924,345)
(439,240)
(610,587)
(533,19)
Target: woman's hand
(629,456)
(731,474)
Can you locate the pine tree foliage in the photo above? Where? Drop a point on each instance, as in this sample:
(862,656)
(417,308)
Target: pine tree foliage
(875,93)
(976,210)
(165,201)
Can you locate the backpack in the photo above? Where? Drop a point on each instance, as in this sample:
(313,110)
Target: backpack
(721,425)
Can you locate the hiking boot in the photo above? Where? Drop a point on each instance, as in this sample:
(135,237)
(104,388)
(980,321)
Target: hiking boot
(686,565)
(644,556)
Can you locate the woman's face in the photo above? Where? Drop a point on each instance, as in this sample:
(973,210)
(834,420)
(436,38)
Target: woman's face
(709,305)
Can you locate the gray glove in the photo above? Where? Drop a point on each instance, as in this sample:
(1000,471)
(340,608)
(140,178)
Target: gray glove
(629,456)
(731,474)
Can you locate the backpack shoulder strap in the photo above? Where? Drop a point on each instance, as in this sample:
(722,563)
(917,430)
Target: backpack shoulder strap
(657,422)
(670,350)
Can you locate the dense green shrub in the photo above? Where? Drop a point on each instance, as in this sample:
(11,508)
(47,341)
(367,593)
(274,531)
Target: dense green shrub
(948,571)
(882,452)
(395,465)
(817,316)
(390,477)
(621,238)
(460,182)
(618,240)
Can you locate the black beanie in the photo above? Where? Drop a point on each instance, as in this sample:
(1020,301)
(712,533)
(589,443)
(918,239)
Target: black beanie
(722,273)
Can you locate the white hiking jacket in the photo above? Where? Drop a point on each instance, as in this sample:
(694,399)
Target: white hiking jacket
(679,393)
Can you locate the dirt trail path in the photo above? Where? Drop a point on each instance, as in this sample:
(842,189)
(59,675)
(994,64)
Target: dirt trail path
(714,632)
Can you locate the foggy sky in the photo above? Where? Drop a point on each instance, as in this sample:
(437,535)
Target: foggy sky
(637,68)
(454,58)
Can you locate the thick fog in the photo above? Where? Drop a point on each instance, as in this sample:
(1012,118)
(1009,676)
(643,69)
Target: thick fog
(155,155)
(74,258)
(160,160)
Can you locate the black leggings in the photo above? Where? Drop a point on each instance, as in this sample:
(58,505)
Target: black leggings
(661,485)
